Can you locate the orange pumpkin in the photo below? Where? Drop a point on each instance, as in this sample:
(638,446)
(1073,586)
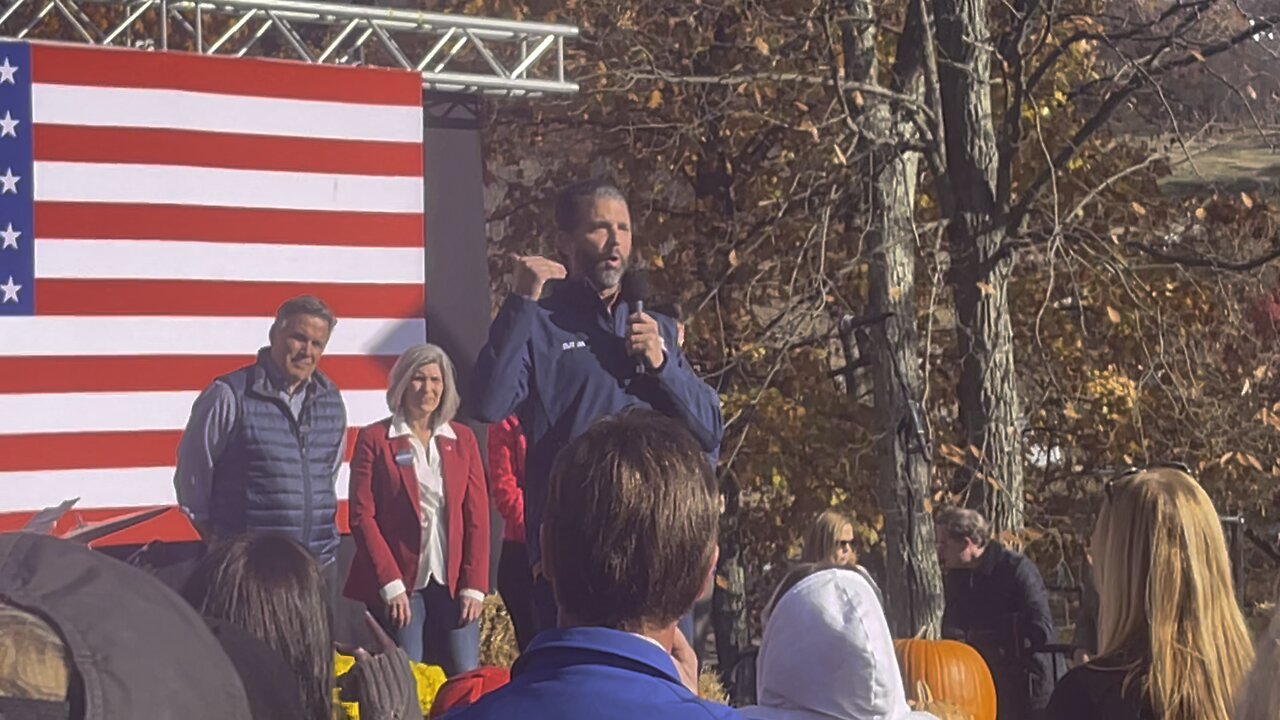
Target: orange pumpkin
(948,672)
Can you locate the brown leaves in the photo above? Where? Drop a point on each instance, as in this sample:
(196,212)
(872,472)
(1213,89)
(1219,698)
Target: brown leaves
(761,46)
(1113,315)
(1246,199)
(1268,418)
(951,454)
(1243,459)
(957,456)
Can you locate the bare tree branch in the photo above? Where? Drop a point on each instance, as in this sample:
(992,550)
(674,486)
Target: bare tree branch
(1205,261)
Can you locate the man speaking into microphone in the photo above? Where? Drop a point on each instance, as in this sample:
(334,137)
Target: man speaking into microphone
(572,344)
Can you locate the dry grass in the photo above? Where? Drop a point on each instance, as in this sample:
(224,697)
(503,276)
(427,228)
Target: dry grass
(925,702)
(497,636)
(709,688)
(941,710)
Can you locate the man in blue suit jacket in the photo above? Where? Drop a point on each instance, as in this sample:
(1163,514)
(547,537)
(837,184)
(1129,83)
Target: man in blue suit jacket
(629,542)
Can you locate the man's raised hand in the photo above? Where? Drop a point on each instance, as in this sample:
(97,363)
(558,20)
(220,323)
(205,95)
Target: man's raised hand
(532,272)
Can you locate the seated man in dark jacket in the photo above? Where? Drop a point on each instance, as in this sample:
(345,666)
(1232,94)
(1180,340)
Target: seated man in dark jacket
(997,603)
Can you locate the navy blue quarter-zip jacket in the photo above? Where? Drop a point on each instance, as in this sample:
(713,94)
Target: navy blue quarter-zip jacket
(562,363)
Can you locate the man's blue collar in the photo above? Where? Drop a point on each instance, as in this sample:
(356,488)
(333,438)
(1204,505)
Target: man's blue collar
(630,649)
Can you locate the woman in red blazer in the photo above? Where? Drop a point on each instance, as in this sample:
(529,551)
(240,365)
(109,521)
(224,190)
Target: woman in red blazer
(420,517)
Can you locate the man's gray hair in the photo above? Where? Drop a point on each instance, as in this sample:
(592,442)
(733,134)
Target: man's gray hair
(303,305)
(402,373)
(965,523)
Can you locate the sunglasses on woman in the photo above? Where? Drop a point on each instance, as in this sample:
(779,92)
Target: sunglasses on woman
(1133,470)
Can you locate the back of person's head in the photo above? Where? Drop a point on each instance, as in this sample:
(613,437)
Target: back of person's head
(822,542)
(36,674)
(1166,599)
(798,572)
(271,587)
(629,534)
(1260,696)
(963,523)
(263,673)
(827,651)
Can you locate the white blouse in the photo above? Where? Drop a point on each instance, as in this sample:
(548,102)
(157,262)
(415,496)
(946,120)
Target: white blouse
(433,555)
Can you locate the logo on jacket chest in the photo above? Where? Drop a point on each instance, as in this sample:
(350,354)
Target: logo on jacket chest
(568,345)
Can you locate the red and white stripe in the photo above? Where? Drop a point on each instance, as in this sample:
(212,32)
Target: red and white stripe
(179,200)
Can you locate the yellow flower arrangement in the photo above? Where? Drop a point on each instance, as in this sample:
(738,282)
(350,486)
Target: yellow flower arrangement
(429,678)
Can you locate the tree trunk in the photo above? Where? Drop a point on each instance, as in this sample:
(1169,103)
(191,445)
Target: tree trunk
(990,411)
(913,582)
(729,602)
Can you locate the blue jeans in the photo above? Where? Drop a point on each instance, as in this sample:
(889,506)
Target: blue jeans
(432,635)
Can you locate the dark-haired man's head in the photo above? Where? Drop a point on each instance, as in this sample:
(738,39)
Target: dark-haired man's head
(299,336)
(595,233)
(629,535)
(962,536)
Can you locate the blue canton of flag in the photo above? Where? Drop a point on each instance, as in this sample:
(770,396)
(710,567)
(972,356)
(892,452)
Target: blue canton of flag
(17,201)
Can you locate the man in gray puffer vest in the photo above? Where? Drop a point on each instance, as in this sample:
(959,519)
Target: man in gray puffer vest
(263,446)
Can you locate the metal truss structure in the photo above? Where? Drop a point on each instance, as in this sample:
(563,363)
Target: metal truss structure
(452,52)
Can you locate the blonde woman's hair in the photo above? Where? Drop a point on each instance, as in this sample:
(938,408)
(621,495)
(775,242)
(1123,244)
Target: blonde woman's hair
(820,542)
(412,359)
(1167,605)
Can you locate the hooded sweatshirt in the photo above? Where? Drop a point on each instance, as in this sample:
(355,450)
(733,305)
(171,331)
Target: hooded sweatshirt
(827,655)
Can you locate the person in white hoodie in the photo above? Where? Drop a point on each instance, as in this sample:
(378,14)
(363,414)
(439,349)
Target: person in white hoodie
(827,653)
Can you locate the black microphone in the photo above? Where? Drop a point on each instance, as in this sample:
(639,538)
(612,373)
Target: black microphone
(635,286)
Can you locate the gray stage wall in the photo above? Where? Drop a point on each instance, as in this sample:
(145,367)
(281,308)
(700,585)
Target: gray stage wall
(457,269)
(457,260)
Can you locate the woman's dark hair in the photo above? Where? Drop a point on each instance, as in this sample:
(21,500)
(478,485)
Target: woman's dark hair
(271,587)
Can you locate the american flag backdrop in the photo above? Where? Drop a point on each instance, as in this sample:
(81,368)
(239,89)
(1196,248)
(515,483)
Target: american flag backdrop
(155,210)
